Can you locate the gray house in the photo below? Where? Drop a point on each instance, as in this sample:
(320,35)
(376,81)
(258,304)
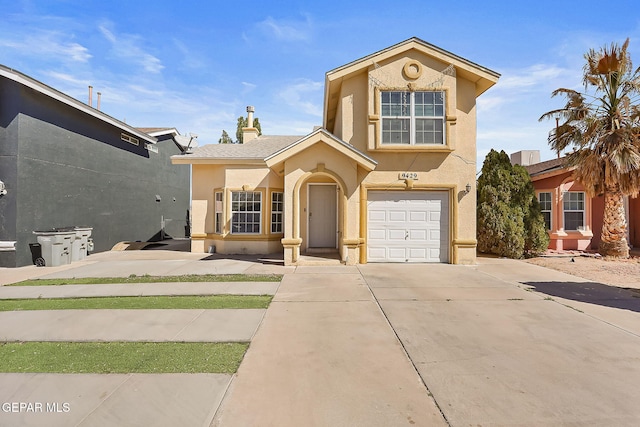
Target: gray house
(64,163)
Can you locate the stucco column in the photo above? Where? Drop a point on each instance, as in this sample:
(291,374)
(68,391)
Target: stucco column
(198,224)
(291,241)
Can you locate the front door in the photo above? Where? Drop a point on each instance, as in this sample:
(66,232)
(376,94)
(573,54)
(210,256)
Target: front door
(322,216)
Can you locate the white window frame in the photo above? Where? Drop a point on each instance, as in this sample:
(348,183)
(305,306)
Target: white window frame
(409,116)
(550,210)
(567,198)
(218,212)
(277,212)
(243,206)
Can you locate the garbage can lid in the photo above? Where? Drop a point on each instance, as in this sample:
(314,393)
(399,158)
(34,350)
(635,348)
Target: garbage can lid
(71,228)
(52,232)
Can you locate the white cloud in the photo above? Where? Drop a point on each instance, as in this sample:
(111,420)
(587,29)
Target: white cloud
(290,31)
(248,87)
(300,94)
(126,46)
(48,44)
(189,59)
(531,77)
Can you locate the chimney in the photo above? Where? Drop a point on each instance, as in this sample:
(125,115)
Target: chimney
(90,96)
(99,100)
(525,157)
(249,132)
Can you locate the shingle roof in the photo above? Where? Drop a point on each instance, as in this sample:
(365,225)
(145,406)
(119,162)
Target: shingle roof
(259,148)
(547,166)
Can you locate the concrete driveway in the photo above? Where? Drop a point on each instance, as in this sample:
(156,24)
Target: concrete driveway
(505,342)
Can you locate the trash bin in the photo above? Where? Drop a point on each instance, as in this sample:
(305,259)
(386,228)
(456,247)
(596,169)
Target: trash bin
(36,254)
(55,246)
(83,244)
(80,244)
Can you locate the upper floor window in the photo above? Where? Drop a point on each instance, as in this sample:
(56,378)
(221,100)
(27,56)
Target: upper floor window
(573,207)
(545,207)
(246,212)
(413,118)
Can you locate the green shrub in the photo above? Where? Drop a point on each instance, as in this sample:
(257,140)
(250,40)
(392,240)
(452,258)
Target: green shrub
(510,222)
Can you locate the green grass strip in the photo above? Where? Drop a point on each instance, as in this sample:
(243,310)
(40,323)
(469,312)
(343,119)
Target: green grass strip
(153,279)
(139,302)
(121,357)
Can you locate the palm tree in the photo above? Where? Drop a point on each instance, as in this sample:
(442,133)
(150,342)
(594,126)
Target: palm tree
(602,126)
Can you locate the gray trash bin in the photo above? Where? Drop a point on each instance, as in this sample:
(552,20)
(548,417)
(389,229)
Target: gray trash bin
(56,246)
(81,243)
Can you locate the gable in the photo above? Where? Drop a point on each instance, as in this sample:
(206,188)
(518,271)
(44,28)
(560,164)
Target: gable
(418,55)
(318,137)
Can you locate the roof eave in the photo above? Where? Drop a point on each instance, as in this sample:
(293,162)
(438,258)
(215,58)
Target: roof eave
(186,159)
(46,90)
(283,154)
(484,78)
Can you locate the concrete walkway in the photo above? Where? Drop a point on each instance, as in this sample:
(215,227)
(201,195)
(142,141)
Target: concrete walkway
(133,399)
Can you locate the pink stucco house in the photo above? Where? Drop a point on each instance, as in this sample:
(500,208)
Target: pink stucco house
(573,219)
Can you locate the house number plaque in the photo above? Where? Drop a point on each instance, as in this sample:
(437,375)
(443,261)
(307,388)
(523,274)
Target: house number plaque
(408,175)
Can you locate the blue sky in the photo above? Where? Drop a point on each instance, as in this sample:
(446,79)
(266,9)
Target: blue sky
(195,66)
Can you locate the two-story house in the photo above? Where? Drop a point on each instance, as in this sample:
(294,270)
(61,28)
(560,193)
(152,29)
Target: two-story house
(389,177)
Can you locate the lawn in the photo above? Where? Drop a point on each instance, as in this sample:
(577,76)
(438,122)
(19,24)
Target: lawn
(139,302)
(153,279)
(121,357)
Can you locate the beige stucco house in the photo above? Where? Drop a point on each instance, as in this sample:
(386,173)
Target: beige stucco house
(389,177)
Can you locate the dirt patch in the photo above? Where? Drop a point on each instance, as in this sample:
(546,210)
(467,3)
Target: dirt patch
(621,273)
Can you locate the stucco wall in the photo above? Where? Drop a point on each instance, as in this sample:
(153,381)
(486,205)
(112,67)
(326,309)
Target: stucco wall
(73,169)
(8,172)
(449,169)
(559,238)
(209,178)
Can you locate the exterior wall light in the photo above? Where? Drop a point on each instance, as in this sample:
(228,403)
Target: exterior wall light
(467,188)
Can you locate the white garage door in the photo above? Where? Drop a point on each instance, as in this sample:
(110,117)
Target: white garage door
(408,226)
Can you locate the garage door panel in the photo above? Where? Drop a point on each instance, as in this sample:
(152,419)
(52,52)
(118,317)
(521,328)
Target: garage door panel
(377,216)
(396,234)
(418,253)
(419,216)
(397,253)
(377,234)
(397,216)
(418,235)
(415,224)
(377,252)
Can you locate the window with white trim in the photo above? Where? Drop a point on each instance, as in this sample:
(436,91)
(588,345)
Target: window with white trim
(546,208)
(246,212)
(413,118)
(277,211)
(218,212)
(573,207)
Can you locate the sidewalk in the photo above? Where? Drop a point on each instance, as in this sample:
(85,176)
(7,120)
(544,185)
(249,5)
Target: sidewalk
(132,399)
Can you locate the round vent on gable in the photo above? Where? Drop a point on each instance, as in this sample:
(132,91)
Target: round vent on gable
(412,69)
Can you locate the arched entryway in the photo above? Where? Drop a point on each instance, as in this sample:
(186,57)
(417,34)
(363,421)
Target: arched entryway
(322,216)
